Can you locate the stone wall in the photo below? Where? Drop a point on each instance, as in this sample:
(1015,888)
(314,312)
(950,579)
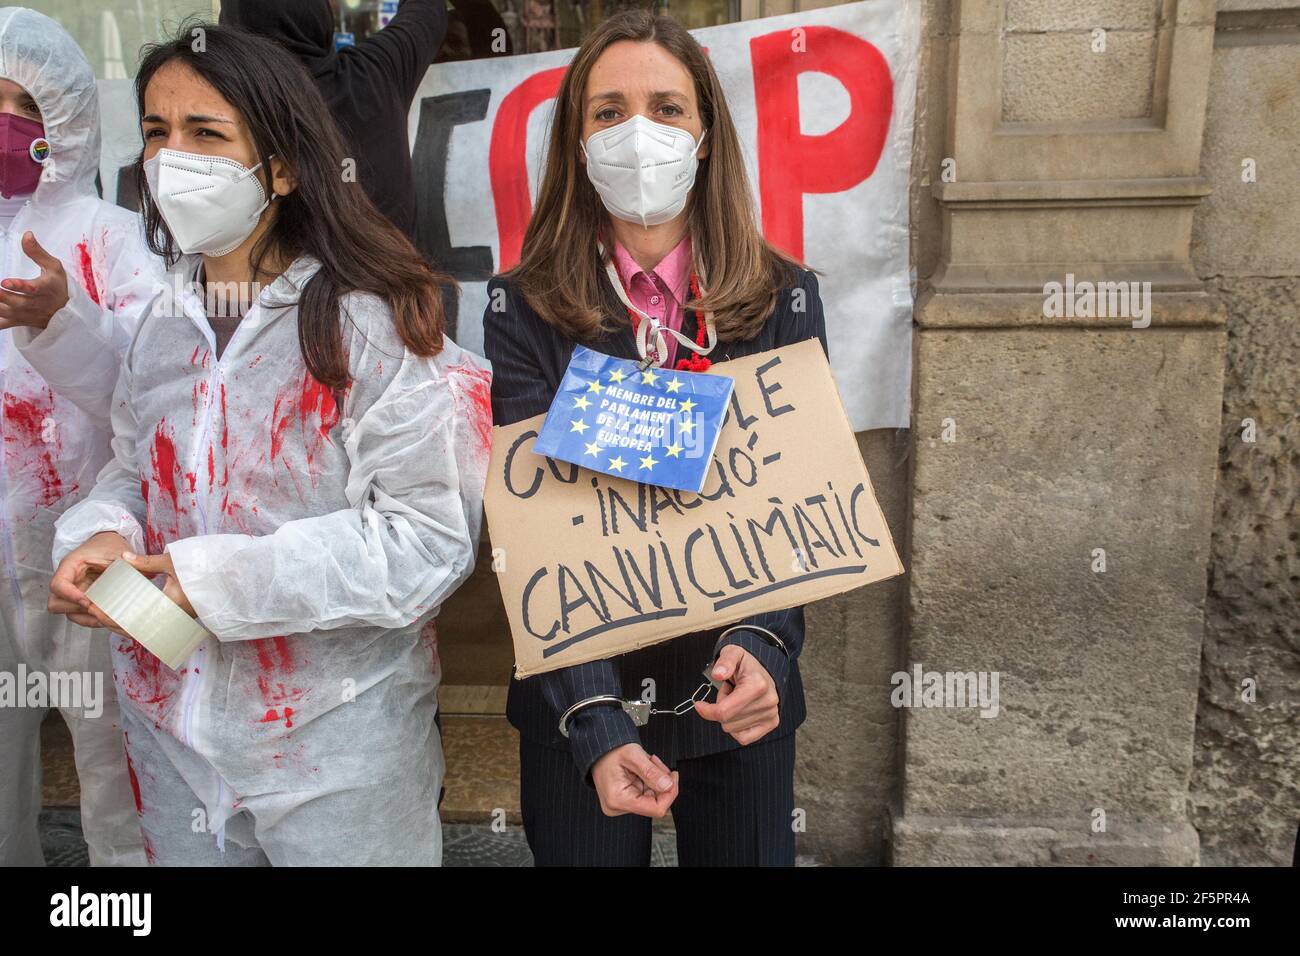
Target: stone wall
(1245,789)
(1040,441)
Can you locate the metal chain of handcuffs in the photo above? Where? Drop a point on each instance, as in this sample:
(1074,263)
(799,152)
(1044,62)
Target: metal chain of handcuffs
(642,710)
(655,353)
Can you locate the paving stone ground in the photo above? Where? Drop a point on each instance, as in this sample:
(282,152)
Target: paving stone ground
(463,844)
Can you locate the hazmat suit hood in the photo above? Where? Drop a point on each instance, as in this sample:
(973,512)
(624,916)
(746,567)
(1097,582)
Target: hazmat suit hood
(41,57)
(303,27)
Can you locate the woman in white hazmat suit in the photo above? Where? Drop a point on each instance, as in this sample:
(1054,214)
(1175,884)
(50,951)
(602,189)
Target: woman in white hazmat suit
(306,476)
(74,277)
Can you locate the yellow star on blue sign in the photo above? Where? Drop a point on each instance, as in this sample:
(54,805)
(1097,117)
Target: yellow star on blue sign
(579,426)
(617,463)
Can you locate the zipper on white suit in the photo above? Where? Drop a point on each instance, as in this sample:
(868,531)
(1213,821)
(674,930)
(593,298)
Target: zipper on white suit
(195,679)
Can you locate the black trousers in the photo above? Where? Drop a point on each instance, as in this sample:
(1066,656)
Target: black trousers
(733,808)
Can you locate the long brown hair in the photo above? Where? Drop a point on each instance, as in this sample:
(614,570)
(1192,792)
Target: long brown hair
(563,278)
(333,221)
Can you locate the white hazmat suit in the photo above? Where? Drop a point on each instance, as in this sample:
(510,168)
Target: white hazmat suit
(315,535)
(57,385)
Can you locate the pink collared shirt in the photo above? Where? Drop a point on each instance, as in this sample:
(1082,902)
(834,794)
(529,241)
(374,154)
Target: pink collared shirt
(660,292)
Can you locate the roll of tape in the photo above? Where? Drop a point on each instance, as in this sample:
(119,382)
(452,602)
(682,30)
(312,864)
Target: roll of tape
(146,614)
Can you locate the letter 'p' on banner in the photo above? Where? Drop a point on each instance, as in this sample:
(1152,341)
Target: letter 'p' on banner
(596,566)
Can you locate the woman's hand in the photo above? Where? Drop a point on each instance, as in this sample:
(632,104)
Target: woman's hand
(750,708)
(628,780)
(77,572)
(33,302)
(151,564)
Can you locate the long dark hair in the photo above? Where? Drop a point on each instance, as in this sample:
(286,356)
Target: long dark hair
(560,273)
(325,216)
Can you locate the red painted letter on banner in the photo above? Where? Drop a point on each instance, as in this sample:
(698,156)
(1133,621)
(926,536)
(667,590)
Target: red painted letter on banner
(791,164)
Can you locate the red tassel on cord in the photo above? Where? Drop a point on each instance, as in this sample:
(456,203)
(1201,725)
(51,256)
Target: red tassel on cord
(696,363)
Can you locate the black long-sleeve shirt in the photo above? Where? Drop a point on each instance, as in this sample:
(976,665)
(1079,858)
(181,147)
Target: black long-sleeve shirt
(368,87)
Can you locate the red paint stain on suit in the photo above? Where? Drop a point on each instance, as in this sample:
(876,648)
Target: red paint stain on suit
(272,716)
(31,440)
(86,271)
(148,684)
(166,468)
(429,638)
(225,450)
(130,771)
(314,410)
(276,666)
(161,490)
(471,388)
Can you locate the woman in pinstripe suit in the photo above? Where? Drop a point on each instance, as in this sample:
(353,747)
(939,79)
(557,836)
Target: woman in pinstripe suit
(645,194)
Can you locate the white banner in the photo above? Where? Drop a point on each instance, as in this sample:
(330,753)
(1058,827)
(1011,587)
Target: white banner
(824,104)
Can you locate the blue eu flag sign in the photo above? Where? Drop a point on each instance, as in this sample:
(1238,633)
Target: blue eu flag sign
(654,426)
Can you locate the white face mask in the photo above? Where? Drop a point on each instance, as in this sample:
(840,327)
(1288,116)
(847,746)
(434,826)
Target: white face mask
(642,170)
(210,204)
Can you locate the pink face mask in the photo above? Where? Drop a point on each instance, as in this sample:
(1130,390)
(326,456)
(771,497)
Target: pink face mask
(23,151)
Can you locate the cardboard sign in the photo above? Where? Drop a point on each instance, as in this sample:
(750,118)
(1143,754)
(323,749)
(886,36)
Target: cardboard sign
(593,566)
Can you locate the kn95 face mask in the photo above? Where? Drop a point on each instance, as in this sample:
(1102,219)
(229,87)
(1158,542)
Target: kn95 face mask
(643,170)
(210,204)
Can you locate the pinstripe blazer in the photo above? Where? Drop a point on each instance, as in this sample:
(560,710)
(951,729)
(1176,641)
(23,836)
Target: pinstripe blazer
(529,358)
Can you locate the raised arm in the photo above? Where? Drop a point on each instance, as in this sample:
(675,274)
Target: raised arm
(405,48)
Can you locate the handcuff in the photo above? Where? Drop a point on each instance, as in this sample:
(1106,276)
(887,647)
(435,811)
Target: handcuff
(642,710)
